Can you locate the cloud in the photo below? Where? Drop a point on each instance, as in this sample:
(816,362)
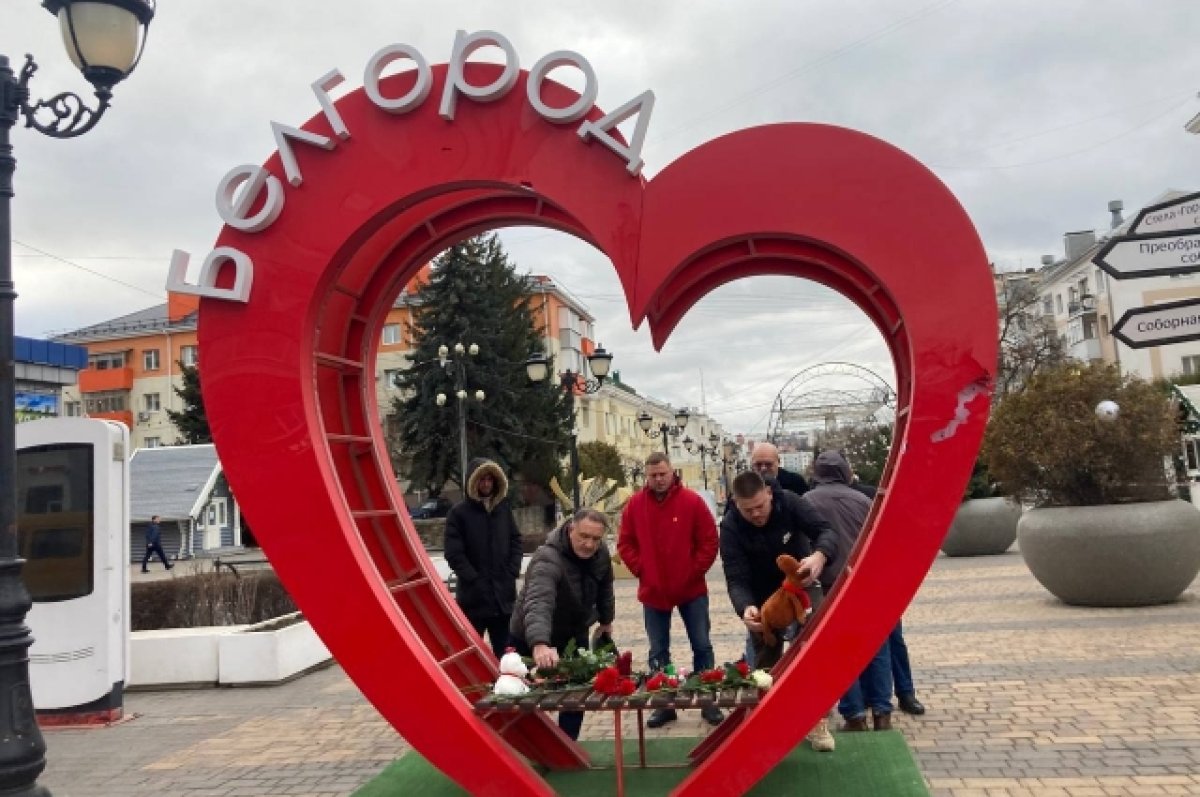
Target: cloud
(1035,114)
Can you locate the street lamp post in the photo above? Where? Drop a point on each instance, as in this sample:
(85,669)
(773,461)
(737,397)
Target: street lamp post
(459,368)
(664,430)
(537,368)
(104,39)
(703,450)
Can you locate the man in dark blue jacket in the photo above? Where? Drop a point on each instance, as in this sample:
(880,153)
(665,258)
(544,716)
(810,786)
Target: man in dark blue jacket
(483,548)
(154,545)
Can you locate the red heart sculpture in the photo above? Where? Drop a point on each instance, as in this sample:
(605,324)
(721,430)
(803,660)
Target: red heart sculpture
(289,379)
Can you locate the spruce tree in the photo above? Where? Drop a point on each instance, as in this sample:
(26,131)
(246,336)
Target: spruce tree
(191,421)
(475,296)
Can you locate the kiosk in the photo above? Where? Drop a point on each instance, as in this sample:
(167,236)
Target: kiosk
(73,531)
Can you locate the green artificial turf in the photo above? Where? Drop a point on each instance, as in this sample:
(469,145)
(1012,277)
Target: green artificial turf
(864,765)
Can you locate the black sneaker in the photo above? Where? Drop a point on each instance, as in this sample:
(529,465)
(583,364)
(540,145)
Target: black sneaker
(661,716)
(712,715)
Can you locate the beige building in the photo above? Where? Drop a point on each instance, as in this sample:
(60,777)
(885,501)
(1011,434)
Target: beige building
(1085,303)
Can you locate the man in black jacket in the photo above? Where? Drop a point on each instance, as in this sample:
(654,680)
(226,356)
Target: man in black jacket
(764,458)
(483,548)
(768,521)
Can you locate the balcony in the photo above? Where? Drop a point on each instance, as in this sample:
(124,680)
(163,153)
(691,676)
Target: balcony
(1086,350)
(92,380)
(1084,306)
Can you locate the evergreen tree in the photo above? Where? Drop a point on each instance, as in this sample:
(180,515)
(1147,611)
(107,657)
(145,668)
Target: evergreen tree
(597,458)
(191,421)
(475,296)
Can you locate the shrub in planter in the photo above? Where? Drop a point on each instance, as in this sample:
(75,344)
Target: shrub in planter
(1050,447)
(208,598)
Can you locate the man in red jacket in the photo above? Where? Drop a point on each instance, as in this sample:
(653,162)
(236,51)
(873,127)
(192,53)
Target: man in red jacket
(668,540)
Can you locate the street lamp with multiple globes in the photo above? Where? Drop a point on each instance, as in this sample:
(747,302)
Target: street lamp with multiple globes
(703,450)
(459,369)
(537,368)
(664,430)
(104,39)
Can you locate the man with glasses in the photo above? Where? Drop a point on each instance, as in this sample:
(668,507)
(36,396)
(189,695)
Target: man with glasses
(669,541)
(765,461)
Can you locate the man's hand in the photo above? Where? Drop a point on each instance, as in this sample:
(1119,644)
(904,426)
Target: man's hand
(605,628)
(545,657)
(810,568)
(751,618)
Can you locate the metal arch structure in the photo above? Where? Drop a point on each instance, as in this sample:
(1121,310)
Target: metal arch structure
(802,406)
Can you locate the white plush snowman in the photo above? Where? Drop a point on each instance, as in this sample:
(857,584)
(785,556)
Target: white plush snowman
(512,675)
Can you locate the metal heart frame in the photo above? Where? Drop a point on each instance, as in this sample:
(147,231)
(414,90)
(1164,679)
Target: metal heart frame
(289,381)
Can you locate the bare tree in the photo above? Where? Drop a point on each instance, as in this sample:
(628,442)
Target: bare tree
(1029,340)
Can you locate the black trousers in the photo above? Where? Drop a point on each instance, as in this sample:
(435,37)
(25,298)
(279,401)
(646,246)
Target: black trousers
(496,628)
(155,547)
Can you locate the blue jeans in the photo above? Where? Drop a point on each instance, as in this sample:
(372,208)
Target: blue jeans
(875,685)
(694,614)
(901,669)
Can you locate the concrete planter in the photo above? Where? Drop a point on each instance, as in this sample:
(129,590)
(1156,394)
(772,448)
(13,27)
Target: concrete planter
(982,527)
(236,655)
(1114,555)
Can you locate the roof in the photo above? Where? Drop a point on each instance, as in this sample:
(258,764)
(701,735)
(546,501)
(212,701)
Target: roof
(171,481)
(151,319)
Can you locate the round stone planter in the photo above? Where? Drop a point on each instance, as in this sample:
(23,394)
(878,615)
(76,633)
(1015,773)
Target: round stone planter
(982,527)
(1113,555)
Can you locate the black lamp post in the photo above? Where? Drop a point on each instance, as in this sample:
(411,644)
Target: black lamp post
(664,430)
(537,368)
(458,369)
(104,38)
(703,450)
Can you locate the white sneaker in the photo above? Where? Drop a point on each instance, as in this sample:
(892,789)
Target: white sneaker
(820,738)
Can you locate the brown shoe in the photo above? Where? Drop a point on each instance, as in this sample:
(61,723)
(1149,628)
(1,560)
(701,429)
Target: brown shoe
(883,722)
(852,725)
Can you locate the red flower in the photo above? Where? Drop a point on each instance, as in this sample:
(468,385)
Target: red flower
(712,676)
(606,680)
(655,682)
(625,663)
(743,668)
(626,687)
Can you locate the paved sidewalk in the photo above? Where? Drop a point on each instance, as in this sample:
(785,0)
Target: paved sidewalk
(1026,696)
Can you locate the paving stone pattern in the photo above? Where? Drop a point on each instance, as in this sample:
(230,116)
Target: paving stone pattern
(1026,696)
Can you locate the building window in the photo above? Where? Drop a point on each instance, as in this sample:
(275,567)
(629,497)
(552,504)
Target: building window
(1191,365)
(112,401)
(1047,305)
(390,376)
(189,355)
(151,402)
(391,334)
(152,442)
(102,362)
(1104,325)
(1058,302)
(150,359)
(73,409)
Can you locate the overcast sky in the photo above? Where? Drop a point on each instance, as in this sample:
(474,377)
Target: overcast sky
(1034,113)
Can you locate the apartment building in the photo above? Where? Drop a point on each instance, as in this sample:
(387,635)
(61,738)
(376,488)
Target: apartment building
(132,369)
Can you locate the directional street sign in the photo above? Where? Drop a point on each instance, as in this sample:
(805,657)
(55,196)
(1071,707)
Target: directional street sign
(1156,255)
(1159,324)
(1181,213)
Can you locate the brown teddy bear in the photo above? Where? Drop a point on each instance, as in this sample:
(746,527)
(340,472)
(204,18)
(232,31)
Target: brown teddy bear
(789,604)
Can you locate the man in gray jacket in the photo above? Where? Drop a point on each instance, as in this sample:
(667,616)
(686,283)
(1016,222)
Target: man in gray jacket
(846,509)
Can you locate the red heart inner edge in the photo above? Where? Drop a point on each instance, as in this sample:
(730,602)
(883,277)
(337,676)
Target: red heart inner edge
(289,382)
